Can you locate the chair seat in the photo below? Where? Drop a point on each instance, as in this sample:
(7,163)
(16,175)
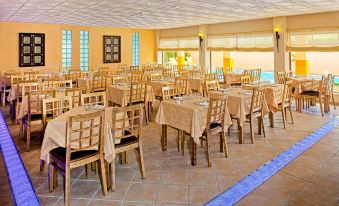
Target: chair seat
(127,141)
(60,154)
(236,84)
(311,93)
(215,125)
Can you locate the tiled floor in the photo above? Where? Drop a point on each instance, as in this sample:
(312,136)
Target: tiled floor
(312,179)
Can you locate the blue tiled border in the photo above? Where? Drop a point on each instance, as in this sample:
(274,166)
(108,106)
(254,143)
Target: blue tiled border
(21,186)
(263,173)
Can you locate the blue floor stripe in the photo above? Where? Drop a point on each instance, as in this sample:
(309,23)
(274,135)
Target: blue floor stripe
(263,173)
(21,186)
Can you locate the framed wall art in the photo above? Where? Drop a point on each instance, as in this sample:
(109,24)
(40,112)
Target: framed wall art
(112,49)
(31,49)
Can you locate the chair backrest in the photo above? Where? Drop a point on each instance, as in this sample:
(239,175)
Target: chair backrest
(181,85)
(279,94)
(184,73)
(99,83)
(136,78)
(246,79)
(75,94)
(31,74)
(156,77)
(35,99)
(137,92)
(119,79)
(281,76)
(62,84)
(73,75)
(168,92)
(134,68)
(127,121)
(43,76)
(258,98)
(216,110)
(211,85)
(26,88)
(51,108)
(85,132)
(247,72)
(15,79)
(255,74)
(96,98)
(211,76)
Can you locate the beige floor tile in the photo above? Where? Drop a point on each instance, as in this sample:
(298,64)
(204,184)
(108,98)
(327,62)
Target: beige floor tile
(299,200)
(142,192)
(172,194)
(298,171)
(319,194)
(104,203)
(200,194)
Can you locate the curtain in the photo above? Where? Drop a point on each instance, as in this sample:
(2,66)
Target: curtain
(179,44)
(241,42)
(325,39)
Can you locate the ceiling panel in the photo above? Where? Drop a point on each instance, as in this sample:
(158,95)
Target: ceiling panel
(154,14)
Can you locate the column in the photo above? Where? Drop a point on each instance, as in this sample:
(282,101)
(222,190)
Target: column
(228,61)
(203,53)
(301,64)
(180,59)
(281,62)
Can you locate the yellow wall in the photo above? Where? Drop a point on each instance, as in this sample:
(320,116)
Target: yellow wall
(9,49)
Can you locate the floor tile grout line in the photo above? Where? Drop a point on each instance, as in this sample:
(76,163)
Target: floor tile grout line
(326,128)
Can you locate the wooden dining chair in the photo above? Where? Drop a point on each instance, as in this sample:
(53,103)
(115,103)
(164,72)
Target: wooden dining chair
(127,126)
(134,68)
(211,85)
(211,76)
(181,85)
(314,95)
(99,83)
(84,145)
(247,72)
(168,92)
(96,98)
(136,77)
(23,90)
(138,93)
(156,77)
(255,75)
(245,79)
(215,125)
(331,82)
(282,77)
(52,108)
(62,84)
(75,94)
(283,98)
(119,79)
(34,112)
(31,75)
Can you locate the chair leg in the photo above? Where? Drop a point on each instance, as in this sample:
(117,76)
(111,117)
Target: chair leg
(291,114)
(140,158)
(283,117)
(42,165)
(221,142)
(28,139)
(333,101)
(67,185)
(112,175)
(263,126)
(146,114)
(225,143)
(179,141)
(252,130)
(208,150)
(51,171)
(102,173)
(321,107)
(87,170)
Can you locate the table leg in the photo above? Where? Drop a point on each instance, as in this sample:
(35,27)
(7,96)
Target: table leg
(259,125)
(164,137)
(193,152)
(271,116)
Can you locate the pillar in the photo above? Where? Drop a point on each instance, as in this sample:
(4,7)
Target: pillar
(228,61)
(301,64)
(180,59)
(281,61)
(203,53)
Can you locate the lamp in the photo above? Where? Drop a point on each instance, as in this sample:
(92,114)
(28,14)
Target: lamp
(200,38)
(277,36)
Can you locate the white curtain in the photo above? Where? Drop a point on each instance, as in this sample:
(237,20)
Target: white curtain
(179,43)
(326,39)
(241,42)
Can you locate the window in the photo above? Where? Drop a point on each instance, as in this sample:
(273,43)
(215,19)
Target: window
(66,49)
(84,50)
(135,48)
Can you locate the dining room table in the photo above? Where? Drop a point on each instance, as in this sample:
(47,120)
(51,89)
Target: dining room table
(188,114)
(232,77)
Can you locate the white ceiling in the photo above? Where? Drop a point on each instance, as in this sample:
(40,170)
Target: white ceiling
(154,14)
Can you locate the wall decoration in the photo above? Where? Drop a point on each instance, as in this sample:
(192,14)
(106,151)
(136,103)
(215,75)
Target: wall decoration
(112,49)
(31,49)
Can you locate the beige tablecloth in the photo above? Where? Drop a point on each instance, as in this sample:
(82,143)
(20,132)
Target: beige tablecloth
(231,78)
(187,116)
(55,134)
(120,94)
(87,82)
(301,84)
(157,87)
(271,100)
(197,84)
(4,82)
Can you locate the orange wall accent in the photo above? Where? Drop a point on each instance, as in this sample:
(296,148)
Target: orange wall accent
(9,44)
(301,67)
